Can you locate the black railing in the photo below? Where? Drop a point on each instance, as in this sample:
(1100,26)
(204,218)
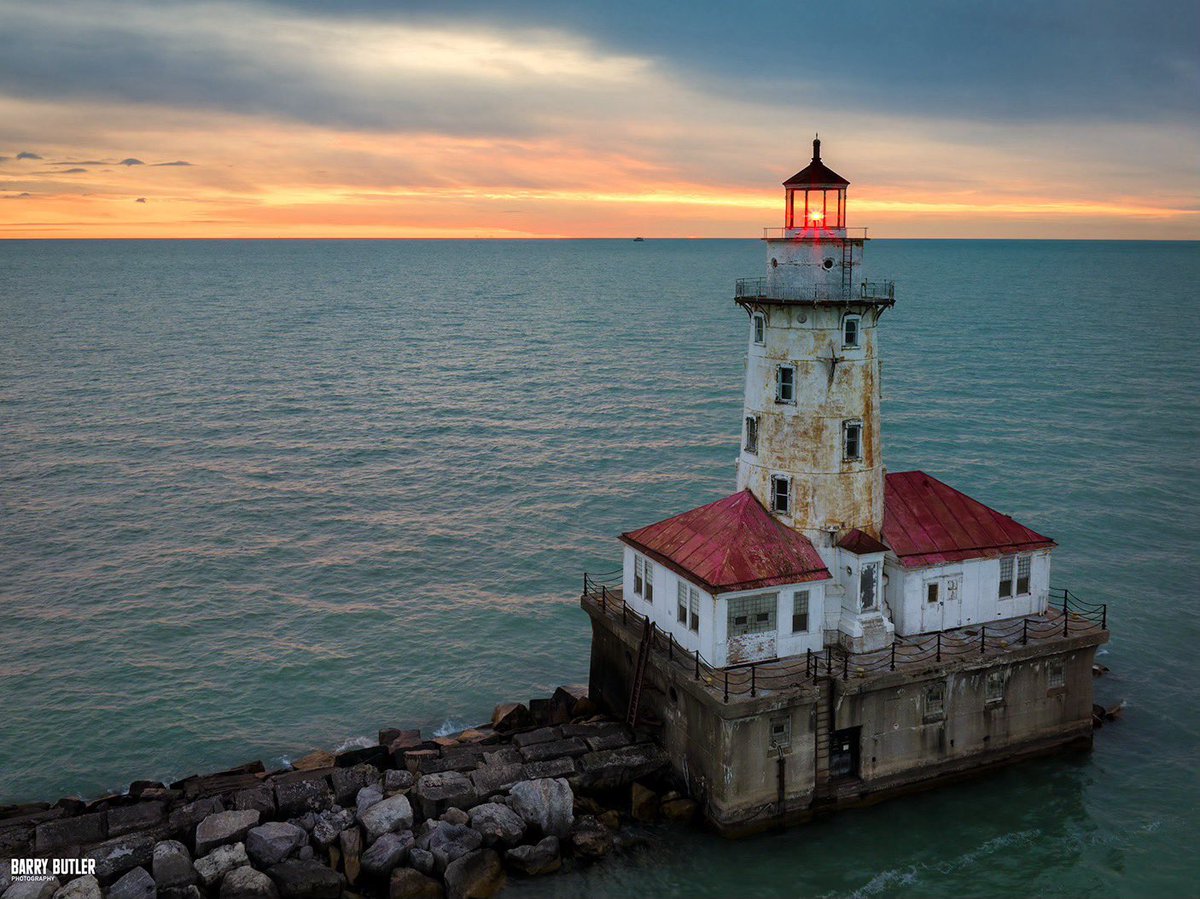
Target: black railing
(756,289)
(1072,616)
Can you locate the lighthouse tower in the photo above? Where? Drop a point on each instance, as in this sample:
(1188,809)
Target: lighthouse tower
(811,449)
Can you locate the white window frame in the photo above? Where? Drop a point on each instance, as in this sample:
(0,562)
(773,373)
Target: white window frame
(748,444)
(758,329)
(694,610)
(754,607)
(643,578)
(1019,568)
(790,399)
(857,343)
(787,494)
(802,599)
(848,426)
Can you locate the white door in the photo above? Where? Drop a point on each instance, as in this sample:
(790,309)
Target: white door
(941,603)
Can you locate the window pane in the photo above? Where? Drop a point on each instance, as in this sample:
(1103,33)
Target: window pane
(752,434)
(800,612)
(1023,563)
(681,600)
(649,582)
(1006,576)
(752,614)
(931,592)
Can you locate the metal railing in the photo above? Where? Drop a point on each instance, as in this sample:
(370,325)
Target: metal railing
(756,289)
(1074,618)
(815,233)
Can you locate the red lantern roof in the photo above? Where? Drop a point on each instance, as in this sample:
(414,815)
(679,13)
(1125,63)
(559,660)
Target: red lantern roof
(732,544)
(816,173)
(926,522)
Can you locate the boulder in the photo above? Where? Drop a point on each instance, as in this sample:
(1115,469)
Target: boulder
(610,819)
(386,853)
(367,797)
(510,716)
(413,759)
(375,756)
(172,865)
(554,749)
(139,816)
(570,702)
(136,884)
(591,839)
(305,880)
(306,853)
(224,827)
(541,735)
(409,884)
(506,755)
(438,792)
(422,860)
(476,875)
(78,831)
(295,797)
(452,841)
(387,816)
(543,858)
(350,842)
(183,820)
(398,739)
(564,767)
(547,804)
(270,843)
(681,810)
(314,761)
(246,883)
(498,824)
(45,889)
(305,822)
(114,857)
(398,782)
(330,824)
(85,887)
(489,779)
(260,799)
(348,781)
(643,803)
(455,816)
(611,768)
(214,866)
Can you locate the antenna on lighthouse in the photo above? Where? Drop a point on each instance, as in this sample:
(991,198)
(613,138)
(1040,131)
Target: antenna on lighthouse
(817,147)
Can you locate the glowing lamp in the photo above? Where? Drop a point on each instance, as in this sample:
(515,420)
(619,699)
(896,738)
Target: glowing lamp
(816,197)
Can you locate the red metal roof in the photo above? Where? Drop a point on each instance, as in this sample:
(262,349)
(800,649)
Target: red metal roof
(926,522)
(816,172)
(860,543)
(732,544)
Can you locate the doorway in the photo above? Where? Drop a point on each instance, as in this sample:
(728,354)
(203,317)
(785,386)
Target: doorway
(844,753)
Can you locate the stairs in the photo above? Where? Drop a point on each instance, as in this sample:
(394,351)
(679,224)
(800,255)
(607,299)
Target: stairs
(639,673)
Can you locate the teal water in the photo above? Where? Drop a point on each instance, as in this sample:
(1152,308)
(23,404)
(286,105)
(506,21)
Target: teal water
(261,497)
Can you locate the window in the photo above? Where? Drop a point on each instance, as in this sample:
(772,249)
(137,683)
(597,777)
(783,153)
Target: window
(800,612)
(758,324)
(851,440)
(752,614)
(935,702)
(681,601)
(752,433)
(1018,565)
(781,494)
(688,606)
(931,592)
(995,686)
(1054,674)
(785,384)
(850,329)
(781,733)
(868,583)
(643,578)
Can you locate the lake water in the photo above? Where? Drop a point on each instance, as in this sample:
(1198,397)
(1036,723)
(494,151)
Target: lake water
(262,497)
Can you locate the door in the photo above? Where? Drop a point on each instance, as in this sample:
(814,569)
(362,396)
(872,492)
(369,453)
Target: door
(941,603)
(844,754)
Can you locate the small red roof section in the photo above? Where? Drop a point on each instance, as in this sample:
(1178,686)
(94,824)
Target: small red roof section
(816,172)
(926,522)
(860,543)
(732,544)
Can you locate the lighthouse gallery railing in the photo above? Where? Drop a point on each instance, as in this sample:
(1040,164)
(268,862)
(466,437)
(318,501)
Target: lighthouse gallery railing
(1074,617)
(756,289)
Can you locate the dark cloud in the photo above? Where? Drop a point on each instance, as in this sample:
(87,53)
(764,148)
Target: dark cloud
(25,154)
(20,196)
(176,162)
(131,161)
(140,200)
(72,172)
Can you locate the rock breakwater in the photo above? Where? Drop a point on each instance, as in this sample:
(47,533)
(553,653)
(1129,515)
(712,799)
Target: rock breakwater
(542,785)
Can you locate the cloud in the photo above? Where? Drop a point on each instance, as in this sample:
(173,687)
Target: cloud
(72,172)
(140,200)
(131,161)
(176,162)
(25,154)
(21,196)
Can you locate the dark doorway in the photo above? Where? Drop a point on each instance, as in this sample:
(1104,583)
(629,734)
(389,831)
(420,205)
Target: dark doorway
(844,753)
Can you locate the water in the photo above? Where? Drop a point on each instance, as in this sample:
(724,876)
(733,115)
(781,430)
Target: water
(261,497)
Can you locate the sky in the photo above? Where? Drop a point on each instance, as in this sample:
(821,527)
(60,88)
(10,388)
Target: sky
(656,118)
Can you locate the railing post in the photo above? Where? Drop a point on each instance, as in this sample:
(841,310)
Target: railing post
(670,647)
(585,583)
(1066,615)
(846,666)
(727,685)
(893,668)
(697,664)
(753,680)
(808,664)
(624,614)
(829,661)
(1024,631)
(982,638)
(603,597)
(1104,617)
(939,646)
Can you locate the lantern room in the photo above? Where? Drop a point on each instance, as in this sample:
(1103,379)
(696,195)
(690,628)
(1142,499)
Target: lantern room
(816,197)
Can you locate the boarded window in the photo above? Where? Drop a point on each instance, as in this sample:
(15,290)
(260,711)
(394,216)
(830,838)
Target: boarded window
(752,433)
(931,592)
(781,494)
(995,686)
(785,384)
(850,326)
(935,702)
(1023,565)
(800,612)
(868,586)
(851,440)
(759,324)
(1054,674)
(752,614)
(1006,577)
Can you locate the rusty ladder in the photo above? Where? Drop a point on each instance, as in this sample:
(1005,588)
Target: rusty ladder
(823,734)
(639,672)
(847,268)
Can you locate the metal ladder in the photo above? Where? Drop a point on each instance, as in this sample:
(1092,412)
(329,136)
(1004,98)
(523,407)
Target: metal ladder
(822,789)
(847,268)
(639,672)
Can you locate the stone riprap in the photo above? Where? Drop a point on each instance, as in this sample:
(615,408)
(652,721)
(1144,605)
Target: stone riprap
(448,816)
